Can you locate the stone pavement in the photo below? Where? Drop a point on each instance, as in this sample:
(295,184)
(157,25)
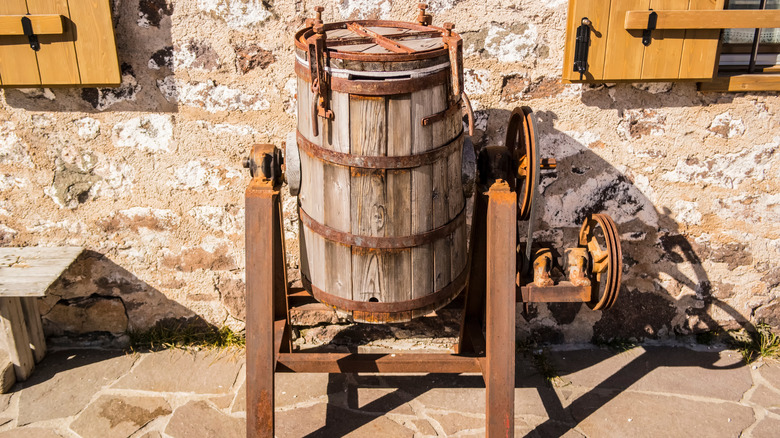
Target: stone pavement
(648,391)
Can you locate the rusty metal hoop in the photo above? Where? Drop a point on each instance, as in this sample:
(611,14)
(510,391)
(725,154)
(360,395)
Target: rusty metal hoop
(606,264)
(521,142)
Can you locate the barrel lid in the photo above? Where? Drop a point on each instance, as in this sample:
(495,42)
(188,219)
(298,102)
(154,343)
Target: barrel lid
(379,40)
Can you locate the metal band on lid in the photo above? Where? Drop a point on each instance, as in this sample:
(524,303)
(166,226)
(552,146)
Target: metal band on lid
(368,87)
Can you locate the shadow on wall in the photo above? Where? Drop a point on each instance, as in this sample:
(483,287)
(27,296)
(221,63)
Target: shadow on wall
(95,295)
(145,51)
(665,291)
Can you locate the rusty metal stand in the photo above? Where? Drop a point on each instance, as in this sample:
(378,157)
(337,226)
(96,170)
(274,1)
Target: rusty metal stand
(490,300)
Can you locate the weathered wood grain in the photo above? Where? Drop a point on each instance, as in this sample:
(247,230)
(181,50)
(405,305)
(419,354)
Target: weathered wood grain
(32,320)
(398,264)
(17,340)
(28,272)
(368,136)
(440,197)
(422,193)
(336,200)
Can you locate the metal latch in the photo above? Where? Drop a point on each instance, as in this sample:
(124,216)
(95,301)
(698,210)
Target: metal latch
(31,36)
(581,47)
(647,34)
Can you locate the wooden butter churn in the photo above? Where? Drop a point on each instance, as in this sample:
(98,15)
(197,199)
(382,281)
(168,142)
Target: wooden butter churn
(376,166)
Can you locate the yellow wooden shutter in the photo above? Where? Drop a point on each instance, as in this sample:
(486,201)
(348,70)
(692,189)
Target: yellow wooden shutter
(77,44)
(616,53)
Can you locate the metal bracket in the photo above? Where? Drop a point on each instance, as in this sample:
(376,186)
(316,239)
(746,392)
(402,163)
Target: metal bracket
(31,36)
(454,44)
(320,82)
(581,47)
(265,162)
(647,34)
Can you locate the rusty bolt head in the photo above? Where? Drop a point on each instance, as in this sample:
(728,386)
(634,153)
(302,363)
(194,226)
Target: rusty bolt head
(448,28)
(422,6)
(319,9)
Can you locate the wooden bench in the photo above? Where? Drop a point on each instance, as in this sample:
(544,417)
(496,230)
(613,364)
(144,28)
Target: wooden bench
(25,276)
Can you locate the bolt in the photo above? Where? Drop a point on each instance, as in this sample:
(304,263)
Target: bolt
(318,10)
(421,17)
(247,163)
(586,21)
(448,28)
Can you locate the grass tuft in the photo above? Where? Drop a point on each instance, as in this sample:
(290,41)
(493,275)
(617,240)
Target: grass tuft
(186,336)
(542,362)
(762,343)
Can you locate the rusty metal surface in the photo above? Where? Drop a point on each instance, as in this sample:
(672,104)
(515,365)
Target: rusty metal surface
(352,41)
(423,19)
(500,311)
(576,266)
(379,162)
(542,264)
(261,283)
(389,242)
(381,40)
(376,363)
(454,45)
(453,108)
(425,302)
(306,32)
(385,87)
(607,263)
(469,113)
(563,292)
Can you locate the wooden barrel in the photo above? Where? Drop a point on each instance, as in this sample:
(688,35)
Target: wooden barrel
(383,230)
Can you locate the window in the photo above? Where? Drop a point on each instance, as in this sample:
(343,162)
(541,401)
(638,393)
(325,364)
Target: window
(675,40)
(738,44)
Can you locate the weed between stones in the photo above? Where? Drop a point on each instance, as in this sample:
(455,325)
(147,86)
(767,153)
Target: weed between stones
(184,336)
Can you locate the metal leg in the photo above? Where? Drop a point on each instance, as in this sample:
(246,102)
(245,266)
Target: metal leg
(266,304)
(500,313)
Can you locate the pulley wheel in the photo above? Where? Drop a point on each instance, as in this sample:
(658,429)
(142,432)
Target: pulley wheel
(521,142)
(600,236)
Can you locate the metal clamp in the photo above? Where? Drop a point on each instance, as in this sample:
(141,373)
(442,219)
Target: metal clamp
(647,34)
(320,83)
(454,45)
(30,34)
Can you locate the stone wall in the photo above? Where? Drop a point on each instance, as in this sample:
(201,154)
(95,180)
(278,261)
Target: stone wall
(148,176)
